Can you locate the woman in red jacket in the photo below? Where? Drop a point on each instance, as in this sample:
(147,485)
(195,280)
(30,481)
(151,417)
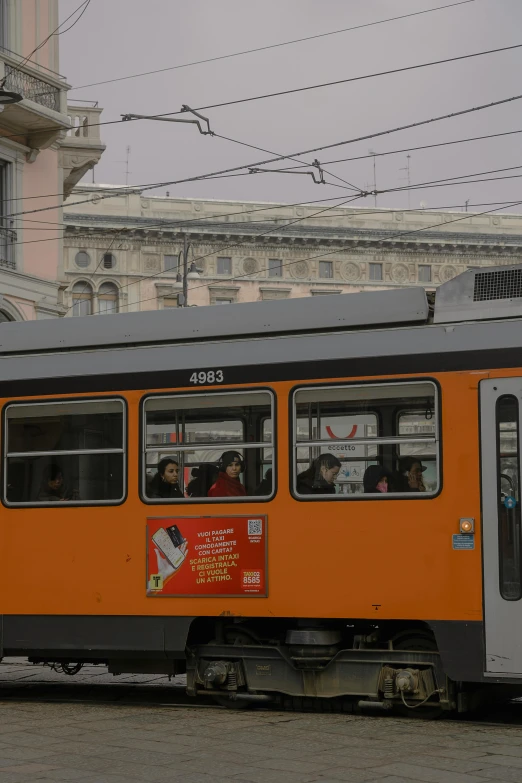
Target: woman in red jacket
(230,466)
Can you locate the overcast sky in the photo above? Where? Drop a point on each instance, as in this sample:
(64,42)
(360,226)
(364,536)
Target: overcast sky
(116,38)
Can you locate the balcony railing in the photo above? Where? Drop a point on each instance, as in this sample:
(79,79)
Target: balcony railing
(7,243)
(32,88)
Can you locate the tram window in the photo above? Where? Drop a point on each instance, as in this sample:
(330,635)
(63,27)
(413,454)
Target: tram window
(71,452)
(508,493)
(371,439)
(203,434)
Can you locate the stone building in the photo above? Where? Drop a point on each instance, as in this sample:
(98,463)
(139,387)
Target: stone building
(40,158)
(121,251)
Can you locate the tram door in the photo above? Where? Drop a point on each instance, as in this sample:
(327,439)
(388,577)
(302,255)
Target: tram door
(500,438)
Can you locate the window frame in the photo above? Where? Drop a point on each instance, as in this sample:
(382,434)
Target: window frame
(82,252)
(330,267)
(142,455)
(373,265)
(392,496)
(420,273)
(275,271)
(68,503)
(223,258)
(516,510)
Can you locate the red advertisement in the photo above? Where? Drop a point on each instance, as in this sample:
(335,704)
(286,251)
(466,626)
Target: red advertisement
(206,556)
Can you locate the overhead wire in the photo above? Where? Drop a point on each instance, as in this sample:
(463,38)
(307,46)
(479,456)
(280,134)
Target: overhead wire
(273,46)
(152,186)
(296,90)
(86,3)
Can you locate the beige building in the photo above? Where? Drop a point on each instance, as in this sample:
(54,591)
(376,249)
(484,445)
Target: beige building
(121,252)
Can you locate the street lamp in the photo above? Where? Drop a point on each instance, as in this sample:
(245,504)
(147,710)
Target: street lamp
(192,273)
(7,97)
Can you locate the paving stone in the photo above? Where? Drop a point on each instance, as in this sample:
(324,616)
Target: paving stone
(500,774)
(426,775)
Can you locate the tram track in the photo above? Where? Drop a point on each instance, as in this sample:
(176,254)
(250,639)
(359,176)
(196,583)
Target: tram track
(156,693)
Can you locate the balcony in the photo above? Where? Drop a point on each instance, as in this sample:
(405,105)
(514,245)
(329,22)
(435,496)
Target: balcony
(7,243)
(82,147)
(40,119)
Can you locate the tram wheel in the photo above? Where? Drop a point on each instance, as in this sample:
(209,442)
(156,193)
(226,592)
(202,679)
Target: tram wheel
(416,641)
(234,637)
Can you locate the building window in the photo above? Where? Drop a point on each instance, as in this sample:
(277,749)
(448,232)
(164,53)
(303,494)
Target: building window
(275,267)
(170,264)
(107,299)
(424,273)
(4,24)
(224,301)
(195,431)
(5,317)
(82,259)
(375,271)
(82,299)
(109,261)
(380,439)
(224,266)
(326,269)
(70,451)
(7,235)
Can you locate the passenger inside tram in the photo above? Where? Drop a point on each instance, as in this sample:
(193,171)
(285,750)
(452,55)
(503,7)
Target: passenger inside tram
(53,487)
(265,487)
(228,484)
(319,478)
(377,479)
(202,478)
(410,475)
(165,484)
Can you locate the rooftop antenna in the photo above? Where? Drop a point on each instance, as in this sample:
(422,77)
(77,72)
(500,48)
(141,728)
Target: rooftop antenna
(406,168)
(126,161)
(373,154)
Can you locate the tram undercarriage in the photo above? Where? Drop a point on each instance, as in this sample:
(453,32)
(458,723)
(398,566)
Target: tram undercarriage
(324,668)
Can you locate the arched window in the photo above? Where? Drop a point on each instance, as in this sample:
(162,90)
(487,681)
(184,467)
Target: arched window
(82,299)
(109,261)
(82,259)
(5,317)
(107,299)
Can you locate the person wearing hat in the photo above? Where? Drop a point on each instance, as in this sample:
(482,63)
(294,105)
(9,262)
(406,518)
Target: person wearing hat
(410,471)
(230,466)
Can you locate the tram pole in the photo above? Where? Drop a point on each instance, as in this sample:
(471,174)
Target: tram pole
(183,277)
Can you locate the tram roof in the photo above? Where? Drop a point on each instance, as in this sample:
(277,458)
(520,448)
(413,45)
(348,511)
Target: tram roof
(181,325)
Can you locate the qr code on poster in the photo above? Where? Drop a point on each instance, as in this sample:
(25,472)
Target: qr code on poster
(255,527)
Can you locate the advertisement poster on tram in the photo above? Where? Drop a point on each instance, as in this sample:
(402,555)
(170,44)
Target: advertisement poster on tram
(207,556)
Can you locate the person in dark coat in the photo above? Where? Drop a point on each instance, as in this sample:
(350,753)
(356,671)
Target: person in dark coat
(319,478)
(53,488)
(202,478)
(410,475)
(377,479)
(165,482)
(265,486)
(231,465)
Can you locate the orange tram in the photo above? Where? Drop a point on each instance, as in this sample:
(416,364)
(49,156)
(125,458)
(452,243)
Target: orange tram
(310,499)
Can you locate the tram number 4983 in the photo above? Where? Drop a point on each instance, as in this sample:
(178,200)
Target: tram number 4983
(211,376)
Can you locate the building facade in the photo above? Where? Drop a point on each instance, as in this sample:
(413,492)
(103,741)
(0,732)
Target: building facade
(122,251)
(41,157)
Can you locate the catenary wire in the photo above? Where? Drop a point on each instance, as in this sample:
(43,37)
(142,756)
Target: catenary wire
(410,149)
(151,186)
(92,233)
(272,46)
(297,89)
(86,3)
(117,188)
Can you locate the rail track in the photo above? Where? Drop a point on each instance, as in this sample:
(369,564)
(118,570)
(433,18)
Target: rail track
(21,681)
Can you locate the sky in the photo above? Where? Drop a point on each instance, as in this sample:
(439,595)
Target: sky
(117,38)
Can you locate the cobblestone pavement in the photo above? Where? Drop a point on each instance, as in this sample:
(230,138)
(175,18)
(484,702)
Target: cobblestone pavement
(122,743)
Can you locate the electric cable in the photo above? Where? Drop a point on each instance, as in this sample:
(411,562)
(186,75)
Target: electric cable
(296,90)
(152,186)
(86,3)
(272,46)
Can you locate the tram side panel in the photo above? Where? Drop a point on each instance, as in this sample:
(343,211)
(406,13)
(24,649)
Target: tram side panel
(374,560)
